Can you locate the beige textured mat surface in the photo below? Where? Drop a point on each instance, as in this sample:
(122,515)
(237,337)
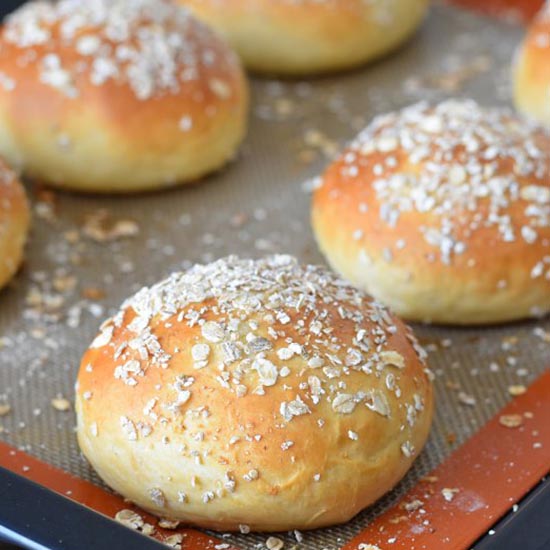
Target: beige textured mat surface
(258,205)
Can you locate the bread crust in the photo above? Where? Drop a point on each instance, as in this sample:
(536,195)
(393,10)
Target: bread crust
(117,96)
(258,405)
(443,213)
(300,37)
(14,223)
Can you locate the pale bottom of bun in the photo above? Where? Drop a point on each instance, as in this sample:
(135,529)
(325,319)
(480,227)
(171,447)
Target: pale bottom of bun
(99,162)
(444,299)
(132,468)
(279,48)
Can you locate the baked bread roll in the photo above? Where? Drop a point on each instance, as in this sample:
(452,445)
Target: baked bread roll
(532,70)
(256,395)
(443,213)
(301,37)
(117,95)
(14,223)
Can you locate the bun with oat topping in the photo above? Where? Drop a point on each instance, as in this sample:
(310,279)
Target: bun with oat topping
(253,395)
(14,223)
(300,37)
(443,213)
(531,73)
(117,96)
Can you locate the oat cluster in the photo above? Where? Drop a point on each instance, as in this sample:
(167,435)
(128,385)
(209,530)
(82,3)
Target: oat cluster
(263,324)
(272,304)
(153,46)
(465,168)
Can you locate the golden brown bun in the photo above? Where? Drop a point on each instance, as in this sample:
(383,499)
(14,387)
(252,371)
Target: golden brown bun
(117,95)
(300,37)
(443,213)
(14,223)
(532,70)
(253,393)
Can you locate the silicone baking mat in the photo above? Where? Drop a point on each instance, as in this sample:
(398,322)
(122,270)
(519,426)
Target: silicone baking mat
(87,253)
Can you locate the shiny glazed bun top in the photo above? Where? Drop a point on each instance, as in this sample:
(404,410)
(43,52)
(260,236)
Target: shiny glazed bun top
(117,95)
(108,41)
(255,393)
(443,213)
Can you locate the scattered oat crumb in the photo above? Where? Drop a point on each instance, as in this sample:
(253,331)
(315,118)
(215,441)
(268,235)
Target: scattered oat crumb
(412,505)
(61,404)
(174,541)
(429,479)
(130,519)
(453,80)
(148,529)
(466,399)
(517,389)
(46,205)
(168,524)
(449,494)
(284,106)
(274,543)
(318,140)
(64,283)
(544,335)
(93,293)
(508,342)
(511,420)
(398,519)
(100,228)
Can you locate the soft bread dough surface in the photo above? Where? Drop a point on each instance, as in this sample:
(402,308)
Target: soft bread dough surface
(117,96)
(443,213)
(255,393)
(300,37)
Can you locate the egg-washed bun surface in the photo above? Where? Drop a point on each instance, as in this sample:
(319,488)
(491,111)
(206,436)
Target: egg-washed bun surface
(14,223)
(443,213)
(117,95)
(253,394)
(531,70)
(300,37)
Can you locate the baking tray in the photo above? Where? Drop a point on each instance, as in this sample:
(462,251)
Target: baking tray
(87,253)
